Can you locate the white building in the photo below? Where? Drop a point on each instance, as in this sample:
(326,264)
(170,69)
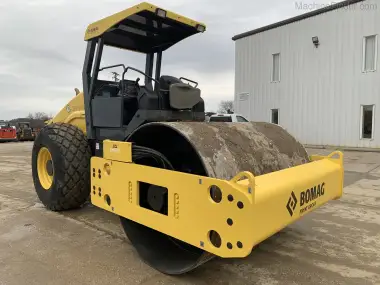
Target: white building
(317,74)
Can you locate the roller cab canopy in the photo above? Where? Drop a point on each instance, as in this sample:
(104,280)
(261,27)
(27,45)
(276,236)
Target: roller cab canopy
(144,28)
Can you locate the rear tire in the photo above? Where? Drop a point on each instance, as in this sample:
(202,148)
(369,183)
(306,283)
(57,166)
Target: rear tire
(61,167)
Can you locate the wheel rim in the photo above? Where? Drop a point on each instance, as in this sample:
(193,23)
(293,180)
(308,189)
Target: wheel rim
(45,168)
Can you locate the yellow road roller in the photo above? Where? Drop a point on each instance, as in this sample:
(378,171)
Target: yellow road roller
(185,190)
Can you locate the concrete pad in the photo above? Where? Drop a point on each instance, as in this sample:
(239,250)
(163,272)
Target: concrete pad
(365,192)
(41,247)
(376,171)
(351,177)
(360,167)
(99,219)
(337,244)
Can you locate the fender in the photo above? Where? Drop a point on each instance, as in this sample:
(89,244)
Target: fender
(72,113)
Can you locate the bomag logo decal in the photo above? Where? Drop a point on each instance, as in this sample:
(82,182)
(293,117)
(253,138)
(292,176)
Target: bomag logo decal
(92,30)
(307,199)
(312,194)
(72,108)
(292,203)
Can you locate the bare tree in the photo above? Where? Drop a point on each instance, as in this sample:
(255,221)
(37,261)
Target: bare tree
(115,76)
(39,116)
(226,106)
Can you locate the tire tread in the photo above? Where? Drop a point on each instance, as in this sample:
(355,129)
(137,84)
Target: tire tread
(74,189)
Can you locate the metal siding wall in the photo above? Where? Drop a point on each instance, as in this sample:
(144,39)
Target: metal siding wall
(322,88)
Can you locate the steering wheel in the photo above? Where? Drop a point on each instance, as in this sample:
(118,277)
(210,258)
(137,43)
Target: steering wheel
(131,68)
(139,71)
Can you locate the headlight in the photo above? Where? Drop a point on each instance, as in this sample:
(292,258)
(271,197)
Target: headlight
(201,28)
(161,13)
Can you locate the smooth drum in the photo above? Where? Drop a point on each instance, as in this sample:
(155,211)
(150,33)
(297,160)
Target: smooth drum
(213,149)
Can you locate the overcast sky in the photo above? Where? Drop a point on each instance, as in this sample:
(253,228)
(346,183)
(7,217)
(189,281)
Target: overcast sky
(42,47)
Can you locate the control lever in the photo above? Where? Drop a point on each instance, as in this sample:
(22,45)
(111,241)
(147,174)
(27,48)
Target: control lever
(137,83)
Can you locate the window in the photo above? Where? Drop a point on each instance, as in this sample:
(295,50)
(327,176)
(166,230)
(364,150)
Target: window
(221,119)
(369,53)
(367,121)
(241,119)
(274,119)
(275,67)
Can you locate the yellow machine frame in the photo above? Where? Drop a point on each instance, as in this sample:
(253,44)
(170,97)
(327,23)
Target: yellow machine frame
(72,113)
(100,27)
(282,197)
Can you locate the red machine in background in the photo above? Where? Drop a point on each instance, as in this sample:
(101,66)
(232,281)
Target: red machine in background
(7,132)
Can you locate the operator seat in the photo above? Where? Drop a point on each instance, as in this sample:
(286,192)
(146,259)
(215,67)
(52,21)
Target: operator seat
(165,82)
(181,96)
